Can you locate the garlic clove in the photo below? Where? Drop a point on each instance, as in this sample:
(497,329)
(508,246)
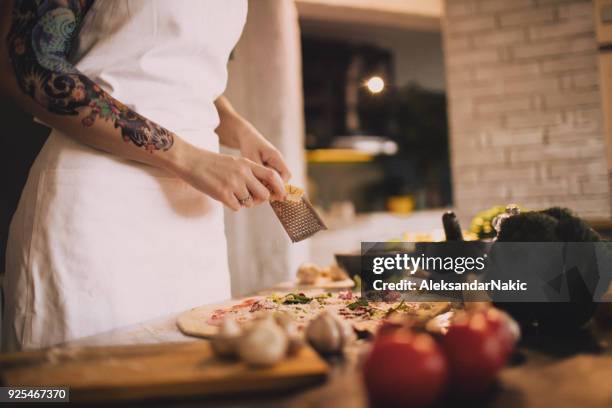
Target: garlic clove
(264,344)
(346,332)
(323,334)
(224,344)
(289,326)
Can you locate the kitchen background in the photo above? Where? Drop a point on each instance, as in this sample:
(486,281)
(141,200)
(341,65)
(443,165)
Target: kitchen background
(390,111)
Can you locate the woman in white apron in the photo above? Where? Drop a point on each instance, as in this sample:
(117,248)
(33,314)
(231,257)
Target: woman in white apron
(121,217)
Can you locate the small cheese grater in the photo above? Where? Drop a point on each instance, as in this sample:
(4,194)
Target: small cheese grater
(297,215)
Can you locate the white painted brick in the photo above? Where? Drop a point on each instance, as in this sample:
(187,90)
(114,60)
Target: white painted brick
(473,58)
(520,190)
(543,49)
(571,99)
(526,121)
(463,110)
(593,206)
(505,71)
(483,124)
(475,89)
(482,190)
(583,168)
(490,6)
(569,132)
(527,16)
(595,186)
(467,174)
(568,28)
(566,83)
(517,138)
(530,85)
(515,174)
(521,121)
(499,37)
(584,115)
(459,76)
(556,2)
(587,79)
(502,104)
(569,62)
(480,157)
(554,152)
(571,10)
(471,141)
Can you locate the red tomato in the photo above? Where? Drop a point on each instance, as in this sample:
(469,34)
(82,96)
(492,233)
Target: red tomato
(387,327)
(505,328)
(475,354)
(405,370)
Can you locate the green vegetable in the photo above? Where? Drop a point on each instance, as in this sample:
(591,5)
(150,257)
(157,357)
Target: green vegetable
(322,297)
(361,302)
(481,223)
(402,307)
(295,299)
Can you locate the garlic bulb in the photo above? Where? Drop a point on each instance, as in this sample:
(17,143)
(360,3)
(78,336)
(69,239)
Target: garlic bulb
(225,343)
(308,273)
(328,334)
(264,344)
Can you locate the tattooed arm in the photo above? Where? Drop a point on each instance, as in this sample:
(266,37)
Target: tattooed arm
(36,73)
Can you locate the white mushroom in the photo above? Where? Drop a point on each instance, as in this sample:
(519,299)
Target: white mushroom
(225,343)
(308,273)
(329,334)
(264,344)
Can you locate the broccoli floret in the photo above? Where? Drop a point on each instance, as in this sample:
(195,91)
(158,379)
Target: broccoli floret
(554,224)
(571,228)
(551,225)
(528,227)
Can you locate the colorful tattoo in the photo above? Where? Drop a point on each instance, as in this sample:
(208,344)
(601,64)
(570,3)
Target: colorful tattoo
(39,44)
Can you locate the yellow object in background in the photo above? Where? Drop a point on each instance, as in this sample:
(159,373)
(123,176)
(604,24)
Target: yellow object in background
(401,204)
(338,156)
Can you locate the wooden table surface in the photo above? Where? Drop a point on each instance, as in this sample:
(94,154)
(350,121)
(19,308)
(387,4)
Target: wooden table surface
(569,370)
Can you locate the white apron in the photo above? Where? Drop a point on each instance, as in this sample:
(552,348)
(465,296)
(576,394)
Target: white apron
(98,242)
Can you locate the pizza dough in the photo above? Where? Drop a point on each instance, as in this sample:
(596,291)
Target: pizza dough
(303,307)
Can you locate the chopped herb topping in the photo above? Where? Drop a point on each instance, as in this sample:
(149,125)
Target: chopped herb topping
(361,302)
(295,299)
(401,307)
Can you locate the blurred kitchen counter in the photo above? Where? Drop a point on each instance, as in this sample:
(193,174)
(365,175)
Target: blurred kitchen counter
(346,235)
(563,371)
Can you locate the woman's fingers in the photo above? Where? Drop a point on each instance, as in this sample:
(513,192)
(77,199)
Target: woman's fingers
(271,179)
(258,191)
(245,198)
(232,202)
(277,163)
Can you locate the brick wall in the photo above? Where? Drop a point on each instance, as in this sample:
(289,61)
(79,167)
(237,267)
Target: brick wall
(524,105)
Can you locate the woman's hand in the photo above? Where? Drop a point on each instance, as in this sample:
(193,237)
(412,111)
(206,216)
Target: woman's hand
(255,147)
(236,132)
(230,179)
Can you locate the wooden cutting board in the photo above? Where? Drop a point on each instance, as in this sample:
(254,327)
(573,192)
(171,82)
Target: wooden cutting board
(153,371)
